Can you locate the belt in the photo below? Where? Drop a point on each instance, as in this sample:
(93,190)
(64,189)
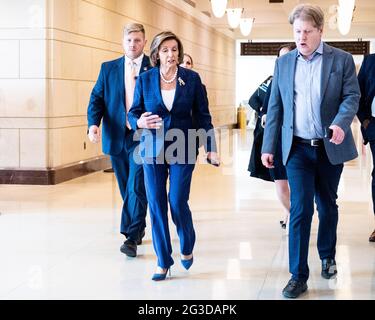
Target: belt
(311,142)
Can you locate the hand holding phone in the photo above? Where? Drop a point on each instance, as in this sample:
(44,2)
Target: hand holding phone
(328,133)
(213,158)
(335,134)
(214,163)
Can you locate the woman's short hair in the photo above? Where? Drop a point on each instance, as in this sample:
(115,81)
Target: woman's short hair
(156,43)
(133,27)
(308,12)
(290,46)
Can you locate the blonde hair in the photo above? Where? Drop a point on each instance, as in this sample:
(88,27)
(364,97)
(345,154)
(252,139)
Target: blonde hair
(308,12)
(133,27)
(156,43)
(191,59)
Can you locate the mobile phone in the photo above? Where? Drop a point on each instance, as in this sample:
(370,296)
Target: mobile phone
(328,133)
(211,162)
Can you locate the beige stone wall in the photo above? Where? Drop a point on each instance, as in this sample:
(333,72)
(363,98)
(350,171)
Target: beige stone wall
(51,52)
(23,104)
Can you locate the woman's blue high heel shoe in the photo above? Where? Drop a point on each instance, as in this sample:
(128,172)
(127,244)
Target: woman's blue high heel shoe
(161,276)
(187,263)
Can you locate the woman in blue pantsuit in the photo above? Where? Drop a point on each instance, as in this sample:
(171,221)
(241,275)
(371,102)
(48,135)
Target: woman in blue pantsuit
(166,100)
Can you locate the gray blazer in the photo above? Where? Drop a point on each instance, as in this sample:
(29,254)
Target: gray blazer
(339,103)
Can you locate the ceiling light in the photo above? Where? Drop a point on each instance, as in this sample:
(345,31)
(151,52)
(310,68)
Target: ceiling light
(246,25)
(218,7)
(234,17)
(345,15)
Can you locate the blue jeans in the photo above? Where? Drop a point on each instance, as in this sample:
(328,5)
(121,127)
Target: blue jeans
(311,176)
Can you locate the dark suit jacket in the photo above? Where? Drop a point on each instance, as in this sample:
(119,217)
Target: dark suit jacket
(339,103)
(366,79)
(257,99)
(258,102)
(266,100)
(107,103)
(200,138)
(190,102)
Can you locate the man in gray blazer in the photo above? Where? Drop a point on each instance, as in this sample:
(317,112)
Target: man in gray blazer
(314,98)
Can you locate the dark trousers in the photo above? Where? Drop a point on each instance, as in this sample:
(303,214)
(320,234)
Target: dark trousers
(372,146)
(311,176)
(369,136)
(180,175)
(130,180)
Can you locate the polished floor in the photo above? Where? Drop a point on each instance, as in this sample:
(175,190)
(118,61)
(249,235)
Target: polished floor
(62,242)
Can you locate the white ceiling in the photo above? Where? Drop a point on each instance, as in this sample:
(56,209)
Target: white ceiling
(271,20)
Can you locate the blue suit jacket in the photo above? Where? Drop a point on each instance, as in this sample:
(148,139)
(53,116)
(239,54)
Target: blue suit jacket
(366,78)
(107,102)
(339,103)
(189,111)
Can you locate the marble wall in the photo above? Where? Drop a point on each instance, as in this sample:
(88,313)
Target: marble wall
(23,84)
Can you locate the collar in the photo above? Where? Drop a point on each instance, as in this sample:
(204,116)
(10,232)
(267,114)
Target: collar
(319,50)
(137,61)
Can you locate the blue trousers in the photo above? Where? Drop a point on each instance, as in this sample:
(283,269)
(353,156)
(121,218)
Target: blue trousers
(156,176)
(311,176)
(130,180)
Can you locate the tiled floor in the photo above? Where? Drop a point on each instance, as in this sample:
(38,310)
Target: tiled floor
(62,242)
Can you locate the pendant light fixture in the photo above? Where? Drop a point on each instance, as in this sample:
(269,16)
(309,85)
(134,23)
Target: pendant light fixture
(345,15)
(234,17)
(246,25)
(218,7)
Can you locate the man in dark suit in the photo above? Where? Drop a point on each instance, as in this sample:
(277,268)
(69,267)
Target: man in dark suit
(314,98)
(366,113)
(110,101)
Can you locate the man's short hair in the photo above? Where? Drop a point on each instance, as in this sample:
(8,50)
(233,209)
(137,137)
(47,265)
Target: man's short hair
(308,12)
(134,27)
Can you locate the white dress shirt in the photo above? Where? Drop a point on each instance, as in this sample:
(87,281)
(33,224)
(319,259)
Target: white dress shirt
(131,72)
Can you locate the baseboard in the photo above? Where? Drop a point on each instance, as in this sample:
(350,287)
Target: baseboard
(50,176)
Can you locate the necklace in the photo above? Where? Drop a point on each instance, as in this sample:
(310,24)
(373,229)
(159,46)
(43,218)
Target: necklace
(171,80)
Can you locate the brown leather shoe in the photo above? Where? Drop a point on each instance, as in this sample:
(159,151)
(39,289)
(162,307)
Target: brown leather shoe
(372,237)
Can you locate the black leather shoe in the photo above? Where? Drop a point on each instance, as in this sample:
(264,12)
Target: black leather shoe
(129,248)
(328,268)
(294,288)
(139,241)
